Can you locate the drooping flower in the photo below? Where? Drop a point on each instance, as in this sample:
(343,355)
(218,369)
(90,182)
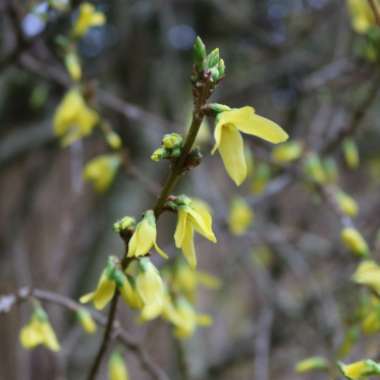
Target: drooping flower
(185,318)
(354,241)
(88,18)
(86,320)
(311,364)
(101,171)
(240,216)
(362,15)
(145,237)
(192,215)
(151,289)
(229,142)
(287,152)
(359,370)
(39,331)
(368,274)
(117,370)
(73,119)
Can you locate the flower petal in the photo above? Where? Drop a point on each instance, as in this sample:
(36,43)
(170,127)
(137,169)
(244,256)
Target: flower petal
(232,151)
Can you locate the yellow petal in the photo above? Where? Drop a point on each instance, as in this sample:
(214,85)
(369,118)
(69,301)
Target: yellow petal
(142,239)
(50,339)
(231,149)
(180,230)
(188,248)
(248,122)
(202,220)
(104,292)
(30,335)
(87,297)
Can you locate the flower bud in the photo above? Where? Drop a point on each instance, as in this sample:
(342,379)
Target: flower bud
(311,364)
(346,204)
(73,66)
(123,224)
(287,152)
(240,216)
(354,241)
(158,154)
(351,153)
(172,140)
(314,168)
(199,52)
(117,369)
(86,321)
(213,59)
(218,108)
(359,370)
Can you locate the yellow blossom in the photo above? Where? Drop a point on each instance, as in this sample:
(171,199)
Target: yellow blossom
(229,141)
(240,216)
(368,274)
(73,119)
(346,204)
(73,66)
(151,289)
(362,15)
(187,319)
(192,215)
(360,369)
(351,153)
(354,241)
(144,237)
(311,364)
(371,321)
(101,171)
(39,331)
(86,321)
(117,370)
(287,152)
(88,18)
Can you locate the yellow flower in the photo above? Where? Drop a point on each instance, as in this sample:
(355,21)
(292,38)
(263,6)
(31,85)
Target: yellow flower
(346,204)
(229,141)
(86,321)
(186,319)
(73,66)
(39,331)
(311,364)
(362,15)
(117,370)
(186,279)
(151,289)
(314,169)
(240,217)
(144,237)
(351,153)
(359,370)
(371,321)
(73,119)
(101,171)
(354,241)
(88,18)
(368,274)
(288,152)
(192,215)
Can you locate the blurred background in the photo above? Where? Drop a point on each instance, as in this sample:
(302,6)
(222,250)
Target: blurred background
(285,289)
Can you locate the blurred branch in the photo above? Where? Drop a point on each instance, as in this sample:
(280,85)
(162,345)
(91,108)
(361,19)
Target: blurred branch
(375,10)
(24,294)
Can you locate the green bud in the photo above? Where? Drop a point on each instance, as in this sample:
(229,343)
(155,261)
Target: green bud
(213,59)
(158,154)
(199,53)
(113,140)
(172,140)
(314,168)
(351,153)
(124,224)
(214,74)
(218,108)
(221,68)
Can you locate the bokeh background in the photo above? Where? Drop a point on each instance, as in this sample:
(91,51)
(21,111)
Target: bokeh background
(286,292)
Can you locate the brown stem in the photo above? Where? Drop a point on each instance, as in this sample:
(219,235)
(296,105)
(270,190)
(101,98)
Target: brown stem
(202,91)
(375,10)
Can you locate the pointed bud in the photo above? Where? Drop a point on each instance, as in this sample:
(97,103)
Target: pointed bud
(354,241)
(213,59)
(200,53)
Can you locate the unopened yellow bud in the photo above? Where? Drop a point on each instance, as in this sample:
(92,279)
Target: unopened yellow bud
(359,370)
(86,321)
(114,140)
(314,168)
(368,274)
(73,66)
(124,224)
(117,370)
(347,204)
(240,217)
(311,364)
(172,140)
(158,154)
(354,241)
(351,153)
(287,152)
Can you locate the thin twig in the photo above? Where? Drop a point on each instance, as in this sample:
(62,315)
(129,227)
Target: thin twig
(375,10)
(202,92)
(8,301)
